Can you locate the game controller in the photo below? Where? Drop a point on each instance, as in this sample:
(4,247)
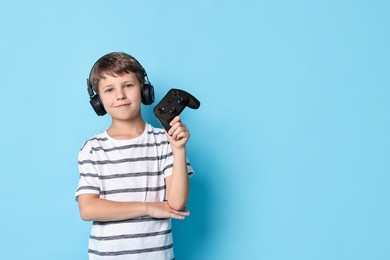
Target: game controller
(172,105)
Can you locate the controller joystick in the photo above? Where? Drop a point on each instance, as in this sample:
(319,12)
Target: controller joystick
(172,110)
(172,104)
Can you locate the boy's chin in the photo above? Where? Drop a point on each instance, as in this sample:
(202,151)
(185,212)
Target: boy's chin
(126,116)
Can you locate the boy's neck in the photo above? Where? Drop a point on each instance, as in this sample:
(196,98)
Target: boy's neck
(124,130)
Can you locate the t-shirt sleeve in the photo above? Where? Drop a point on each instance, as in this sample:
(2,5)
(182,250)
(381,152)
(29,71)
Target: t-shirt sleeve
(89,182)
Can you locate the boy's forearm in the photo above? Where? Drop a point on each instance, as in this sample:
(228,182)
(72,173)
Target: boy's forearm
(179,182)
(96,209)
(92,208)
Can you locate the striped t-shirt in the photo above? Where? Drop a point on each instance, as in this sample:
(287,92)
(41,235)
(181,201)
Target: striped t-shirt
(128,170)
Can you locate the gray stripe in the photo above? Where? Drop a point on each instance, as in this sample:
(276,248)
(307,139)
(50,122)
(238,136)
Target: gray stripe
(132,220)
(108,192)
(153,234)
(131,174)
(95,175)
(168,167)
(121,175)
(105,138)
(130,146)
(125,160)
(130,252)
(99,139)
(157,133)
(95,138)
(88,188)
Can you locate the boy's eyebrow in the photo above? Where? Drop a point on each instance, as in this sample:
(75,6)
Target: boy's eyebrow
(123,82)
(129,81)
(107,86)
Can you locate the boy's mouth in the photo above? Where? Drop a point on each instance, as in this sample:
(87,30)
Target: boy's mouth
(122,106)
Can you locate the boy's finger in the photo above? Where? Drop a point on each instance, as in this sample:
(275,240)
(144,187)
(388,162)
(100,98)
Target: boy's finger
(176,216)
(181,212)
(175,120)
(173,128)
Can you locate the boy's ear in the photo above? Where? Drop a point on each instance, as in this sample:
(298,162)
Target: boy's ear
(97,105)
(95,101)
(147,94)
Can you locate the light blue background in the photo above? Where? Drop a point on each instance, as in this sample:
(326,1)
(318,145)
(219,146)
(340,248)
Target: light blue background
(291,144)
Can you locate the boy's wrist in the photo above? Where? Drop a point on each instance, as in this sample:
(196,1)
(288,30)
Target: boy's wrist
(179,151)
(150,208)
(143,208)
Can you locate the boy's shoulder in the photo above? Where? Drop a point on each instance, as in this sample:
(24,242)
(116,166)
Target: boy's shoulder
(154,130)
(94,140)
(156,134)
(99,139)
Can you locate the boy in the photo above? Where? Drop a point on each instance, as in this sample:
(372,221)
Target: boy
(133,177)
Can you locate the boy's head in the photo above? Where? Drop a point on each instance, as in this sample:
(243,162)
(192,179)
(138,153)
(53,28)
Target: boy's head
(115,64)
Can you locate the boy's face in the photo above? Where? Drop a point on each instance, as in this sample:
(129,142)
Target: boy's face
(121,96)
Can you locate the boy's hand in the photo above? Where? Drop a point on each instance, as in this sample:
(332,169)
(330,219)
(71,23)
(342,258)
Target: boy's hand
(178,135)
(163,210)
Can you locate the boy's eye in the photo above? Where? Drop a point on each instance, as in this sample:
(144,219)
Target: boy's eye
(128,85)
(108,90)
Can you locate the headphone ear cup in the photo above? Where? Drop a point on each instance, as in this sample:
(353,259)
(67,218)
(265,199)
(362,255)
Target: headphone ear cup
(97,105)
(147,94)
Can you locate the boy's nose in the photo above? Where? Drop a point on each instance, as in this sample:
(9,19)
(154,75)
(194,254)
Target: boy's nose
(121,95)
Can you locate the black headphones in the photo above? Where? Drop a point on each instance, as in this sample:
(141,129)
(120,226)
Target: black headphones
(97,105)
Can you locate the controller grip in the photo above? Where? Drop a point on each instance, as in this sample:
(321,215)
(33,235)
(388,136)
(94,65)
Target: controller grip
(193,102)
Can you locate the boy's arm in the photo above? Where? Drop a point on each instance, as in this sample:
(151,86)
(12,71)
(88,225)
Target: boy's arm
(93,208)
(178,183)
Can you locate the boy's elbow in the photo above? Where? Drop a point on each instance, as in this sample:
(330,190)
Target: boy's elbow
(85,214)
(86,207)
(177,205)
(85,217)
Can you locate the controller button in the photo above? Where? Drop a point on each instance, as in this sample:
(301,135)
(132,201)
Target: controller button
(180,100)
(172,110)
(161,110)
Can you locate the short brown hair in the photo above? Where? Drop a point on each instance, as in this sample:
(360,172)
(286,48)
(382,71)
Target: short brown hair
(113,64)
